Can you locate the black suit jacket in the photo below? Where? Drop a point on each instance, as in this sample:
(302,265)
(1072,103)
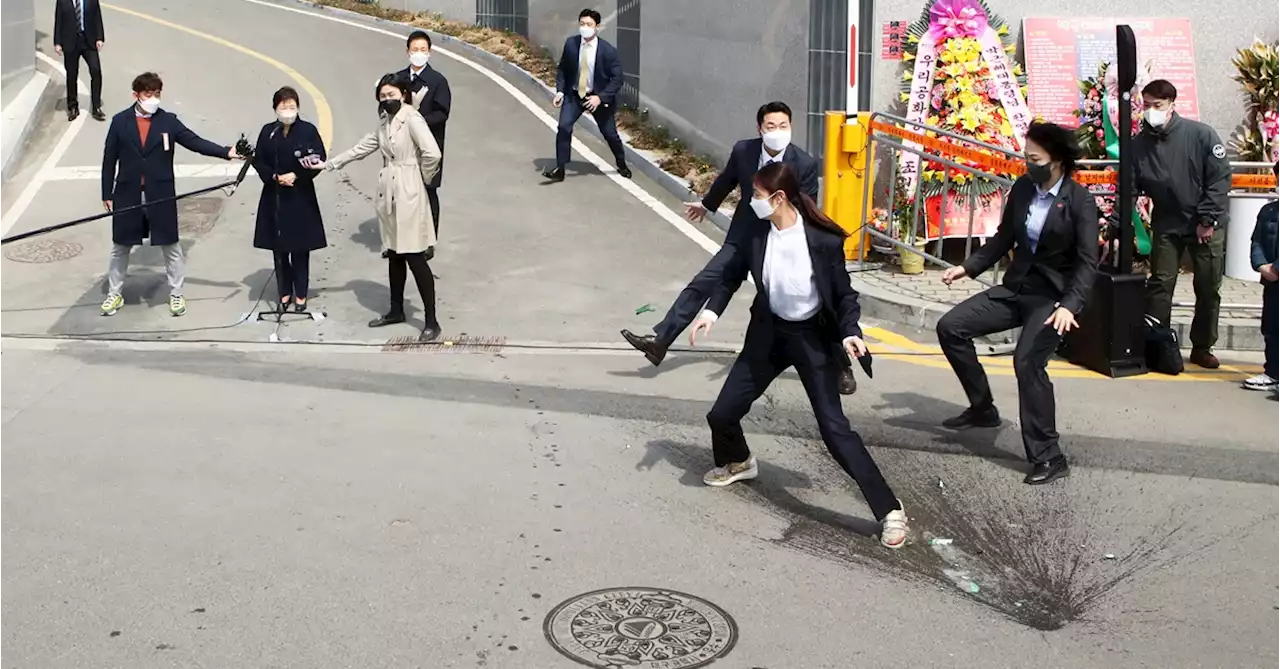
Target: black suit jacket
(839,313)
(607,81)
(66,26)
(127,163)
(1065,261)
(434,107)
(740,173)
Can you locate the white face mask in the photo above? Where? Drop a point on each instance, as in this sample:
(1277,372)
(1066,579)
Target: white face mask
(587,32)
(1156,117)
(149,105)
(777,140)
(419,58)
(762,207)
(287,116)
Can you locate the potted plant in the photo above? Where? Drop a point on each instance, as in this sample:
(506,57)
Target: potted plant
(909,233)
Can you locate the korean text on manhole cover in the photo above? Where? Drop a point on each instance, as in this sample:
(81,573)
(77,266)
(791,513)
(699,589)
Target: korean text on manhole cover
(640,628)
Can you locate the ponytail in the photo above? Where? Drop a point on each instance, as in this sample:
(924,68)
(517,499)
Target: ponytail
(811,213)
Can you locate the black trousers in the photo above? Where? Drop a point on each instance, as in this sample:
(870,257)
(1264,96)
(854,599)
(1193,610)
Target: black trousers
(983,314)
(695,295)
(433,199)
(570,111)
(293,273)
(1270,320)
(71,55)
(799,345)
(398,267)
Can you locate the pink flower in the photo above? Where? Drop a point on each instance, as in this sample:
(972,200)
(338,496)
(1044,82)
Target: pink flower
(1100,134)
(1270,125)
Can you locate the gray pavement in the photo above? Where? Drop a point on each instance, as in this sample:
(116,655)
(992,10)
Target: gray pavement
(187,494)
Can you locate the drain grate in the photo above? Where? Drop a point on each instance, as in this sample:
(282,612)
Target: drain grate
(43,251)
(463,344)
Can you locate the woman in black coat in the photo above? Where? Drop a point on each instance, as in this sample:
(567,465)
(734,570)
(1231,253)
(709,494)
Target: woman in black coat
(289,222)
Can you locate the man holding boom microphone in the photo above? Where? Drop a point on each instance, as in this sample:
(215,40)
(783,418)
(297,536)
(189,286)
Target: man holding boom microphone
(140,143)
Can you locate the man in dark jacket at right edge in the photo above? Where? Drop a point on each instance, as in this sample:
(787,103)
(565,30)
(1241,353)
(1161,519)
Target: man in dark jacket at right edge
(1182,166)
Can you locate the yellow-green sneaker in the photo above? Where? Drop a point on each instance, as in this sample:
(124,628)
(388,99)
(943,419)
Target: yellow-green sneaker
(177,305)
(732,472)
(112,304)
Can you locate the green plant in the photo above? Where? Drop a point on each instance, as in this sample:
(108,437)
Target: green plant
(1258,73)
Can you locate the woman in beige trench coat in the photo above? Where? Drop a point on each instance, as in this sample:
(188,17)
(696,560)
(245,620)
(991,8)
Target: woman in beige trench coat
(410,158)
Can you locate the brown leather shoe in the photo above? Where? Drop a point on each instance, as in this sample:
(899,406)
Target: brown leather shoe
(848,384)
(648,345)
(1203,357)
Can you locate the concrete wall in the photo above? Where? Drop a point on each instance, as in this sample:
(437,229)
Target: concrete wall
(17,47)
(706,65)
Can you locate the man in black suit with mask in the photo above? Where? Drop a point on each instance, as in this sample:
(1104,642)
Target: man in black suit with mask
(77,33)
(431,95)
(773,121)
(588,79)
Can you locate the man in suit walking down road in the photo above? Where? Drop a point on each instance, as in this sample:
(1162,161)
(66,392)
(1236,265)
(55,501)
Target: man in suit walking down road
(773,145)
(432,96)
(588,79)
(77,33)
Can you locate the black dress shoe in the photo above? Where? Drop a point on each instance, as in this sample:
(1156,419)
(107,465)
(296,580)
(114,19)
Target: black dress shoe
(430,333)
(72,113)
(98,114)
(624,171)
(387,319)
(973,418)
(1044,472)
(300,307)
(848,384)
(648,345)
(555,176)
(283,306)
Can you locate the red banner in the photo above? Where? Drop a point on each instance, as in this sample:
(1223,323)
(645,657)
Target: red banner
(985,219)
(1062,52)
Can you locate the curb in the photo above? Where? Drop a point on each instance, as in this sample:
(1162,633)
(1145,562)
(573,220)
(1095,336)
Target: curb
(669,182)
(32,110)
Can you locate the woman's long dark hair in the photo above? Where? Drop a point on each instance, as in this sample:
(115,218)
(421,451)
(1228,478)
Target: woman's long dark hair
(776,177)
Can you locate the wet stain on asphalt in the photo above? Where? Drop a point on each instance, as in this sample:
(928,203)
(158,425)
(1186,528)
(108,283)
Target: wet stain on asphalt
(1038,556)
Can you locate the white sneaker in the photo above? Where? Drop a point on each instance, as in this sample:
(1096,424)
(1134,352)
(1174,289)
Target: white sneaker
(734,471)
(1260,382)
(894,530)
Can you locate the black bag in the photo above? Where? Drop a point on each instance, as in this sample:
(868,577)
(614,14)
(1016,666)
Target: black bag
(1163,353)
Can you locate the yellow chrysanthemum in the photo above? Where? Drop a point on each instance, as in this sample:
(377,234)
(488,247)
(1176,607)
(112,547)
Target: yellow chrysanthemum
(1003,29)
(969,119)
(954,70)
(1017,69)
(905,97)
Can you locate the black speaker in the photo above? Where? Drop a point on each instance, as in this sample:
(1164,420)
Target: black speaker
(1111,339)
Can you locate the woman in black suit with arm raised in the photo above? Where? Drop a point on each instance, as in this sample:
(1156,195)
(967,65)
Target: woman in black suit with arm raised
(289,222)
(804,302)
(1050,223)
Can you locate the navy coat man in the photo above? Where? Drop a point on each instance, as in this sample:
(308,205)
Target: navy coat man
(740,173)
(604,81)
(130,167)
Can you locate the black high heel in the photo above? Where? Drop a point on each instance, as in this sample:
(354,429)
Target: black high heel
(430,332)
(283,305)
(300,307)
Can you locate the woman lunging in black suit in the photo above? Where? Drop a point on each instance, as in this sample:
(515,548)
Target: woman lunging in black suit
(804,303)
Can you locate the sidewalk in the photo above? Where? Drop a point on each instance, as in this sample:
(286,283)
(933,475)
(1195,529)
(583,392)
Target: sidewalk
(920,300)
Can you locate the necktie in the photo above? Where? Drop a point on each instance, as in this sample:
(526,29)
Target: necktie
(79,13)
(582,73)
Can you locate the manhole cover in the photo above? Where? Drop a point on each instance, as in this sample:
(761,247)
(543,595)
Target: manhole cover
(644,628)
(43,250)
(197,215)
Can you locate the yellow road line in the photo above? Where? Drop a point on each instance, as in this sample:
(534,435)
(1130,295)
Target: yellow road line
(931,356)
(324,116)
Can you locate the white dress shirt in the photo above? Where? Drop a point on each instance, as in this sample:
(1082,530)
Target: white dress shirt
(588,48)
(765,158)
(788,274)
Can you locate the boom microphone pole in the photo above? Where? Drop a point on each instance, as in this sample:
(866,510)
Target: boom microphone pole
(243,148)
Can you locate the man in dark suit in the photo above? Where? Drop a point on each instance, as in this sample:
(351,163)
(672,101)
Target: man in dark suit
(773,122)
(431,94)
(137,167)
(589,79)
(1050,222)
(77,33)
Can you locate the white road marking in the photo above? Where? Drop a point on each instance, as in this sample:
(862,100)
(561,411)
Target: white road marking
(686,228)
(205,171)
(28,194)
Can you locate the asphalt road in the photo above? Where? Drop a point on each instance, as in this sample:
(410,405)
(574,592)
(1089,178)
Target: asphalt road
(198,497)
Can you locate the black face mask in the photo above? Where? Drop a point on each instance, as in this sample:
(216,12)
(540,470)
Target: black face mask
(389,107)
(1039,174)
